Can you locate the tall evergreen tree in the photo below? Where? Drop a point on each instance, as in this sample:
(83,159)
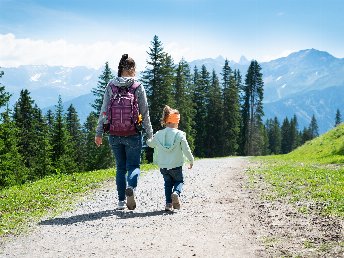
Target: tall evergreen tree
(253,110)
(200,98)
(42,147)
(214,119)
(32,137)
(99,91)
(61,147)
(294,136)
(242,129)
(184,103)
(285,141)
(153,80)
(4,96)
(338,118)
(12,169)
(76,134)
(274,135)
(313,127)
(231,111)
(95,157)
(305,135)
(105,150)
(50,119)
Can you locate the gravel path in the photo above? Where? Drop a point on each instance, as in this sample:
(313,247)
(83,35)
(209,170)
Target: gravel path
(216,220)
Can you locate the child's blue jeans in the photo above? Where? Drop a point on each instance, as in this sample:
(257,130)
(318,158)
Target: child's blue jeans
(174,181)
(127,152)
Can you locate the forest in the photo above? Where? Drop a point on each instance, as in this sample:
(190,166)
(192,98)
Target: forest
(222,115)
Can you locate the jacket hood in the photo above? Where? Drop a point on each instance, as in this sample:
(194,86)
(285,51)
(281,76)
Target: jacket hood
(168,139)
(123,81)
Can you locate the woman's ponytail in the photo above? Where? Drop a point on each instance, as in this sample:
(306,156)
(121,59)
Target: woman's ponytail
(126,63)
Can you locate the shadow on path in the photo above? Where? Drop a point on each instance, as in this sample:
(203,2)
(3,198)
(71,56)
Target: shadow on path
(102,214)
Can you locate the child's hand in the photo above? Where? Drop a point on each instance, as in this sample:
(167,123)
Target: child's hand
(190,166)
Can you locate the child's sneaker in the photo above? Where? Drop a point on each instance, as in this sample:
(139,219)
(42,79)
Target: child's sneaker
(131,204)
(175,201)
(121,205)
(168,207)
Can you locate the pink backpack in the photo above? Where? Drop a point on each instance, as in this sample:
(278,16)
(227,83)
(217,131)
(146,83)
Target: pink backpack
(122,111)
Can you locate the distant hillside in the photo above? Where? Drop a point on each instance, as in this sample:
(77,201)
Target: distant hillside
(329,146)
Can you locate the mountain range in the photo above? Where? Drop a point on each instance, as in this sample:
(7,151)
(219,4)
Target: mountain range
(304,83)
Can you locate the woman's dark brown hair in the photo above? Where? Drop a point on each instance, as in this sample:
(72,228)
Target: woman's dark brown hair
(126,63)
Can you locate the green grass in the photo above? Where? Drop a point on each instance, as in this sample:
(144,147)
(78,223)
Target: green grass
(21,205)
(311,176)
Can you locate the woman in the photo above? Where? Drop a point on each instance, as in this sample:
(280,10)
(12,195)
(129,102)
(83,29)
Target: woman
(126,149)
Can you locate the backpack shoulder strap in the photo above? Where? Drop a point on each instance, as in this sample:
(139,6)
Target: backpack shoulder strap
(114,88)
(134,86)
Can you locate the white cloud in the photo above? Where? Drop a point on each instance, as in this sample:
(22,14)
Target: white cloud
(15,52)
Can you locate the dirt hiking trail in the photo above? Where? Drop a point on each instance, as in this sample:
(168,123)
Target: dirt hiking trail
(220,217)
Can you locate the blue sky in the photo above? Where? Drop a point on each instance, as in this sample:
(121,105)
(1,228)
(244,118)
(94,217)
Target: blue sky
(83,32)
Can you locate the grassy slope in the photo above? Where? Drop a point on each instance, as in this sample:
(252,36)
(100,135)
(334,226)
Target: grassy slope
(311,176)
(20,205)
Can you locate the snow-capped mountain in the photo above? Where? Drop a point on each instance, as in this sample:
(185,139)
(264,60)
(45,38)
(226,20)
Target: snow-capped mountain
(301,72)
(45,83)
(304,83)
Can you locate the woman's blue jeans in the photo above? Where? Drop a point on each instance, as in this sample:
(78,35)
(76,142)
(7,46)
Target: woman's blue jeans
(127,152)
(174,181)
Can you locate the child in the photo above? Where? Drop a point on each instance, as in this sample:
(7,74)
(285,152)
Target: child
(169,146)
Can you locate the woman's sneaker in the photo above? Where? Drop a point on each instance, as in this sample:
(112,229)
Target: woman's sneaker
(175,201)
(131,204)
(168,207)
(121,205)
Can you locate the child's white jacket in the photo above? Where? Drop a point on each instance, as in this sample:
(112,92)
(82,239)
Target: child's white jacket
(170,146)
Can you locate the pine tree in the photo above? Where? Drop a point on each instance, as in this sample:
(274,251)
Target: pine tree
(274,135)
(265,140)
(99,91)
(242,128)
(12,169)
(231,111)
(75,131)
(4,96)
(306,135)
(42,147)
(253,110)
(95,157)
(285,141)
(200,99)
(313,128)
(26,118)
(338,119)
(61,147)
(184,103)
(153,80)
(294,134)
(168,87)
(104,152)
(214,119)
